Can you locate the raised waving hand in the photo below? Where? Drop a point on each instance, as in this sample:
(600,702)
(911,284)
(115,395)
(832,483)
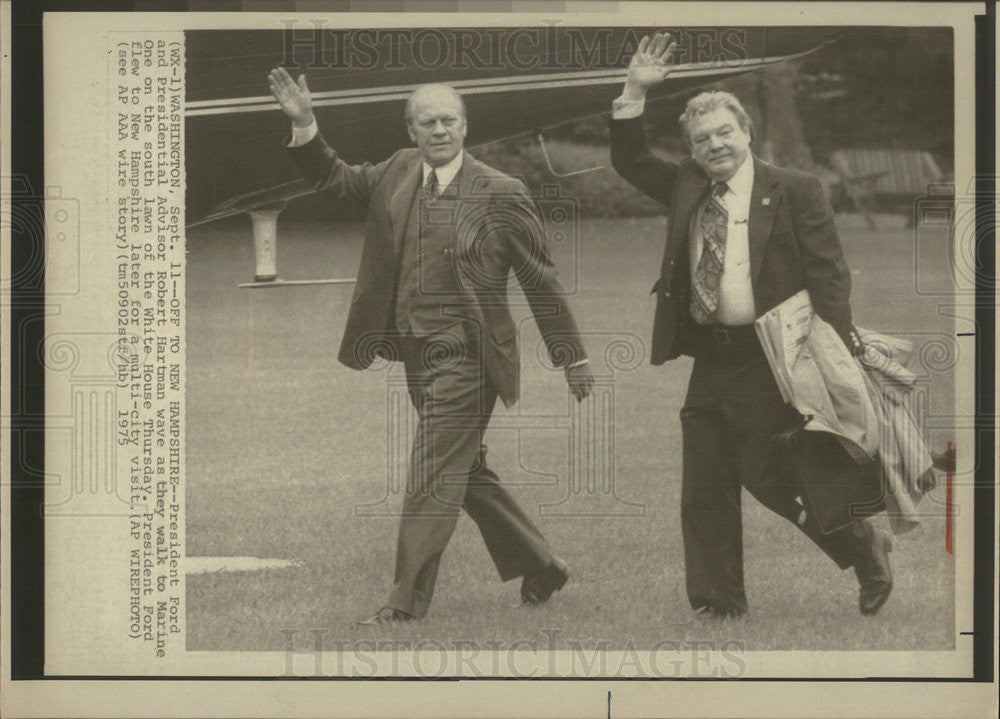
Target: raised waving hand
(650,65)
(292,95)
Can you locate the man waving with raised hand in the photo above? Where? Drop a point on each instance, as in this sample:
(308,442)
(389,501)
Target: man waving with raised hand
(443,234)
(743,237)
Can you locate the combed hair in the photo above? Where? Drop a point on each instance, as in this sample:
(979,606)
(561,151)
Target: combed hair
(408,112)
(705,102)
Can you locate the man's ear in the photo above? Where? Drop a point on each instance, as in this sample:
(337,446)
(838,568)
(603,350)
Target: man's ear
(409,130)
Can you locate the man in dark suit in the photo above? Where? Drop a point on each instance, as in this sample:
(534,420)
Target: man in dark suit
(443,234)
(743,236)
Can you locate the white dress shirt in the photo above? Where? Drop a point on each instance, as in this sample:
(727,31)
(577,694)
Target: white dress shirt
(302,135)
(446,172)
(622,109)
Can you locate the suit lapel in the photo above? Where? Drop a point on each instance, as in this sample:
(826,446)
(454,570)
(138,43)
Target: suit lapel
(689,194)
(471,187)
(467,175)
(402,200)
(764,201)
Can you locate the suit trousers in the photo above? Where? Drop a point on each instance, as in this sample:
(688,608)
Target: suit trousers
(732,411)
(454,399)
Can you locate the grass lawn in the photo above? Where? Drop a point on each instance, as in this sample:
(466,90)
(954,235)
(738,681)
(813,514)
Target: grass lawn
(288,457)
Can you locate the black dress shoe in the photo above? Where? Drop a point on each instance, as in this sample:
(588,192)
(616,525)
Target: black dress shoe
(385,617)
(537,588)
(873,571)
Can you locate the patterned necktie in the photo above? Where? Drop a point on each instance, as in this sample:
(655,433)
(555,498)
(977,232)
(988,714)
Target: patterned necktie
(714,219)
(432,184)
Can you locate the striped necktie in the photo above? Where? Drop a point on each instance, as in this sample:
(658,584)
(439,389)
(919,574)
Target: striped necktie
(432,184)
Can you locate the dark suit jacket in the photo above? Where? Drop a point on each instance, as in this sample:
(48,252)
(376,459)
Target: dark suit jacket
(497,229)
(793,240)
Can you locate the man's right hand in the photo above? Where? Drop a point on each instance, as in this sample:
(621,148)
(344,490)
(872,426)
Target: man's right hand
(649,65)
(293,96)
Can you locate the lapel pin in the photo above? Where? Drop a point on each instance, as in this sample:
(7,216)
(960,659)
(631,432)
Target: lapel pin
(766,201)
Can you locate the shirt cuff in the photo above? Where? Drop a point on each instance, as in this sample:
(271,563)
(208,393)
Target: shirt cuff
(622,109)
(302,135)
(578,363)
